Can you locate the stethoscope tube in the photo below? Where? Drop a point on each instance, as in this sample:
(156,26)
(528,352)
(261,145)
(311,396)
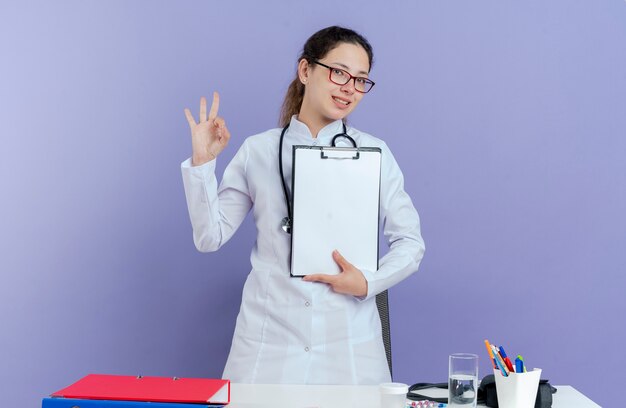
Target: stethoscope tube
(286,222)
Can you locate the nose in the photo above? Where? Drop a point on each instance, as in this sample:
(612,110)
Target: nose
(349,87)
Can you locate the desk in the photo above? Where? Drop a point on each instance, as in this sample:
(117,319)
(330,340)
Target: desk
(349,396)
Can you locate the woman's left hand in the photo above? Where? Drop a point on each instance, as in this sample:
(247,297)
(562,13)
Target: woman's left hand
(349,281)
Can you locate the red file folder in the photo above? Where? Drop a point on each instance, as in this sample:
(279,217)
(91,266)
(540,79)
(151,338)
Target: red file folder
(155,389)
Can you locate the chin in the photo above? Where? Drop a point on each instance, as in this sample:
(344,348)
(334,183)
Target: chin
(337,115)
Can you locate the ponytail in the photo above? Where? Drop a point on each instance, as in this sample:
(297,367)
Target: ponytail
(293,101)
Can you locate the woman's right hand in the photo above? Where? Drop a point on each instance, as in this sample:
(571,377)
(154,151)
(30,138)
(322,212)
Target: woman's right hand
(209,136)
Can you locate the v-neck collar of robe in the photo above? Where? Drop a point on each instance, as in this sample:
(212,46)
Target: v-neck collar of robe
(300,132)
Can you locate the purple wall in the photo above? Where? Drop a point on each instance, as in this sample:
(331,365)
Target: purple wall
(508,119)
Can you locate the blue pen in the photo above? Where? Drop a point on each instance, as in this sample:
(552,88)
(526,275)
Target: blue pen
(519,366)
(502,370)
(520,360)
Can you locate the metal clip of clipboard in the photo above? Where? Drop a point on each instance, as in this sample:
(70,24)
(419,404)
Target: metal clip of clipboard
(339,153)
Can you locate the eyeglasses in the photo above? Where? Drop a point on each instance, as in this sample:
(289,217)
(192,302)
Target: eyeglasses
(341,77)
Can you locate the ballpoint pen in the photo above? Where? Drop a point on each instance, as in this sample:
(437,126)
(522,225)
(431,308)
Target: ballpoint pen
(520,367)
(499,360)
(493,359)
(502,368)
(507,361)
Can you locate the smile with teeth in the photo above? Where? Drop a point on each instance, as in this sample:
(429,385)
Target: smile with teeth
(343,102)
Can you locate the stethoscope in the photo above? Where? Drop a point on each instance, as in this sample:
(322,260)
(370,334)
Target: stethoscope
(286,222)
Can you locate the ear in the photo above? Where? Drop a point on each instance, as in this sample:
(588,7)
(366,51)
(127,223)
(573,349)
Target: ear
(303,70)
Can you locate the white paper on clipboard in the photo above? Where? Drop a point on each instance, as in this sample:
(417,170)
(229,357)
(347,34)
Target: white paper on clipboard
(336,193)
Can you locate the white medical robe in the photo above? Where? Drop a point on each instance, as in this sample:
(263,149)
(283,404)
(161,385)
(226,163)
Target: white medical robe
(288,330)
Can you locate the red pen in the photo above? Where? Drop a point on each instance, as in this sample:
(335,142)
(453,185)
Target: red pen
(507,361)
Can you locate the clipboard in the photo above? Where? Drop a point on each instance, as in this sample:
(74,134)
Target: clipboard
(335,201)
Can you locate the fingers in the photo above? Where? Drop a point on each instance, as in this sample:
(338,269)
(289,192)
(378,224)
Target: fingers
(320,277)
(214,106)
(190,118)
(222,131)
(341,261)
(350,280)
(219,123)
(203,109)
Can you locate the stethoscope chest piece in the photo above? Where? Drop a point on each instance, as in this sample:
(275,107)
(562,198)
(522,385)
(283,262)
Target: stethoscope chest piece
(286,225)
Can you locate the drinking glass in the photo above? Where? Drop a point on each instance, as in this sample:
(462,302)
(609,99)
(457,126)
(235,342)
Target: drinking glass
(463,380)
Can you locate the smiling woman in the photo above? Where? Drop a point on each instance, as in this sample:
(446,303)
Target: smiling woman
(323,328)
(326,100)
(339,51)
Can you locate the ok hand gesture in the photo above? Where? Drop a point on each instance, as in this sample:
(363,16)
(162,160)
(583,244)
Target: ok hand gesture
(209,136)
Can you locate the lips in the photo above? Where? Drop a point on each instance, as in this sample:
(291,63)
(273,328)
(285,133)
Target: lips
(341,103)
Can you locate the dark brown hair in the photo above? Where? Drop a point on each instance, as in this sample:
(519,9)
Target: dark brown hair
(316,48)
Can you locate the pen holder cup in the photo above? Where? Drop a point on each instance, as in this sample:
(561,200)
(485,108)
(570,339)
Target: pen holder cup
(518,390)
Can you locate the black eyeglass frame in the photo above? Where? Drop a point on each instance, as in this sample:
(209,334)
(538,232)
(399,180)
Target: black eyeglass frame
(350,77)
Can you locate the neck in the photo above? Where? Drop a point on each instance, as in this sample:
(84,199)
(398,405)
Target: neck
(314,122)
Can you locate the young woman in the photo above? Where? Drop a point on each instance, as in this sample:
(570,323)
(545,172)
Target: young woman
(322,329)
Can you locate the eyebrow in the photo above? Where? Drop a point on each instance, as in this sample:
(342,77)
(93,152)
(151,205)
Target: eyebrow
(348,68)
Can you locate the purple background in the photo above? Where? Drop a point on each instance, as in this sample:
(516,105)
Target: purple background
(507,118)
